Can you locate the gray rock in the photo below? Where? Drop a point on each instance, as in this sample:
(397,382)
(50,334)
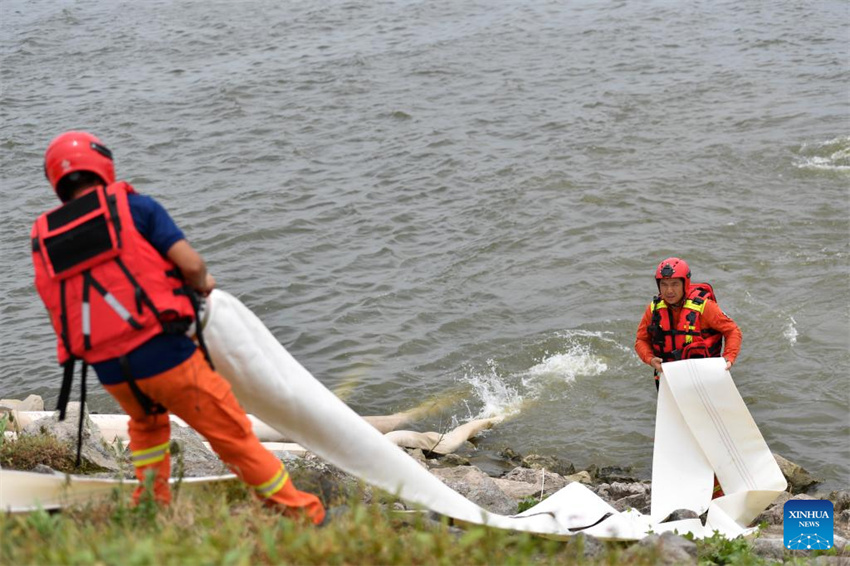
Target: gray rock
(670,549)
(549,482)
(418,455)
(799,480)
(31,403)
(769,547)
(590,547)
(680,515)
(453,460)
(610,474)
(95,453)
(517,490)
(840,500)
(549,463)
(773,514)
(511,456)
(478,487)
(618,490)
(832,561)
(639,501)
(190,458)
(581,477)
(42,469)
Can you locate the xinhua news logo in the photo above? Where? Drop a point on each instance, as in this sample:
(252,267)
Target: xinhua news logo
(808,525)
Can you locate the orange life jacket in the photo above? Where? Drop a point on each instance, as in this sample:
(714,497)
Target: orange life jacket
(688,339)
(107,289)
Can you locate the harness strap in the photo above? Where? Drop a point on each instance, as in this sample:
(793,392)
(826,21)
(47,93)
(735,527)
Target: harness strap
(65,390)
(63,318)
(141,296)
(82,416)
(149,406)
(120,310)
(199,332)
(112,204)
(65,396)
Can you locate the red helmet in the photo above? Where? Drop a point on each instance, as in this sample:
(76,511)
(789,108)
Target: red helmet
(77,151)
(674,268)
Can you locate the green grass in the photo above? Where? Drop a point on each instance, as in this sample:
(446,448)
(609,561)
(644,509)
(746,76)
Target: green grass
(223,523)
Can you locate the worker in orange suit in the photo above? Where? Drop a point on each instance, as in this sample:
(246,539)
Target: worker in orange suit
(684,321)
(121,285)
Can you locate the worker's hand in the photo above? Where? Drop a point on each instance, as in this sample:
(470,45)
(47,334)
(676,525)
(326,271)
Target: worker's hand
(208,286)
(728,364)
(656,364)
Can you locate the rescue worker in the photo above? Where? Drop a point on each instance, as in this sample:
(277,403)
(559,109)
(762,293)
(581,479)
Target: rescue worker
(683,321)
(119,281)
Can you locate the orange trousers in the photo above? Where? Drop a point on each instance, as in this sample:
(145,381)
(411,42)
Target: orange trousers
(204,399)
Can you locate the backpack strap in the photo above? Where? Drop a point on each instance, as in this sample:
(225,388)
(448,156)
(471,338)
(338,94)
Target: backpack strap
(149,406)
(65,396)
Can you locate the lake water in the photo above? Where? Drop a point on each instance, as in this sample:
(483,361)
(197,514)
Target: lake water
(467,200)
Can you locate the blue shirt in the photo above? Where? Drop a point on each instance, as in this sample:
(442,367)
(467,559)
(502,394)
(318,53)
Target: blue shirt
(164,351)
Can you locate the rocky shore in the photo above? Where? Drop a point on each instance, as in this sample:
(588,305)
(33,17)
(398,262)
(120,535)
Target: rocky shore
(516,483)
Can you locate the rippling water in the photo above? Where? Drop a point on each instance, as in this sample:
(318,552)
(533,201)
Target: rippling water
(470,197)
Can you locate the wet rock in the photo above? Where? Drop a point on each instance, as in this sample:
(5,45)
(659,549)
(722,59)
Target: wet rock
(669,548)
(511,456)
(549,463)
(542,480)
(95,453)
(478,487)
(450,460)
(799,480)
(610,474)
(190,458)
(581,477)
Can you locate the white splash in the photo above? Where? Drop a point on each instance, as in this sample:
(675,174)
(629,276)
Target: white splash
(790,332)
(497,397)
(832,155)
(577,361)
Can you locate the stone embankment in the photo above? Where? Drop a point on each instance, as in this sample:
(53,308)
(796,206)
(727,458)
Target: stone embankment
(524,481)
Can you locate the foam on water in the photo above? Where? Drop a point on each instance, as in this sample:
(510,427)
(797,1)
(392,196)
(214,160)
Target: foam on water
(498,398)
(579,360)
(832,155)
(505,395)
(790,332)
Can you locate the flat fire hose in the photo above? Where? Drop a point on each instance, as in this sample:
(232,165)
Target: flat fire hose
(703,428)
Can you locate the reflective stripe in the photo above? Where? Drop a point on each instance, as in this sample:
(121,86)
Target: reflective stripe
(87,319)
(150,456)
(273,485)
(116,306)
(694,306)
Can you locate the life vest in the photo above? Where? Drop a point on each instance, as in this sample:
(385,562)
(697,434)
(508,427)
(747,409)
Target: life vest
(688,339)
(107,289)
